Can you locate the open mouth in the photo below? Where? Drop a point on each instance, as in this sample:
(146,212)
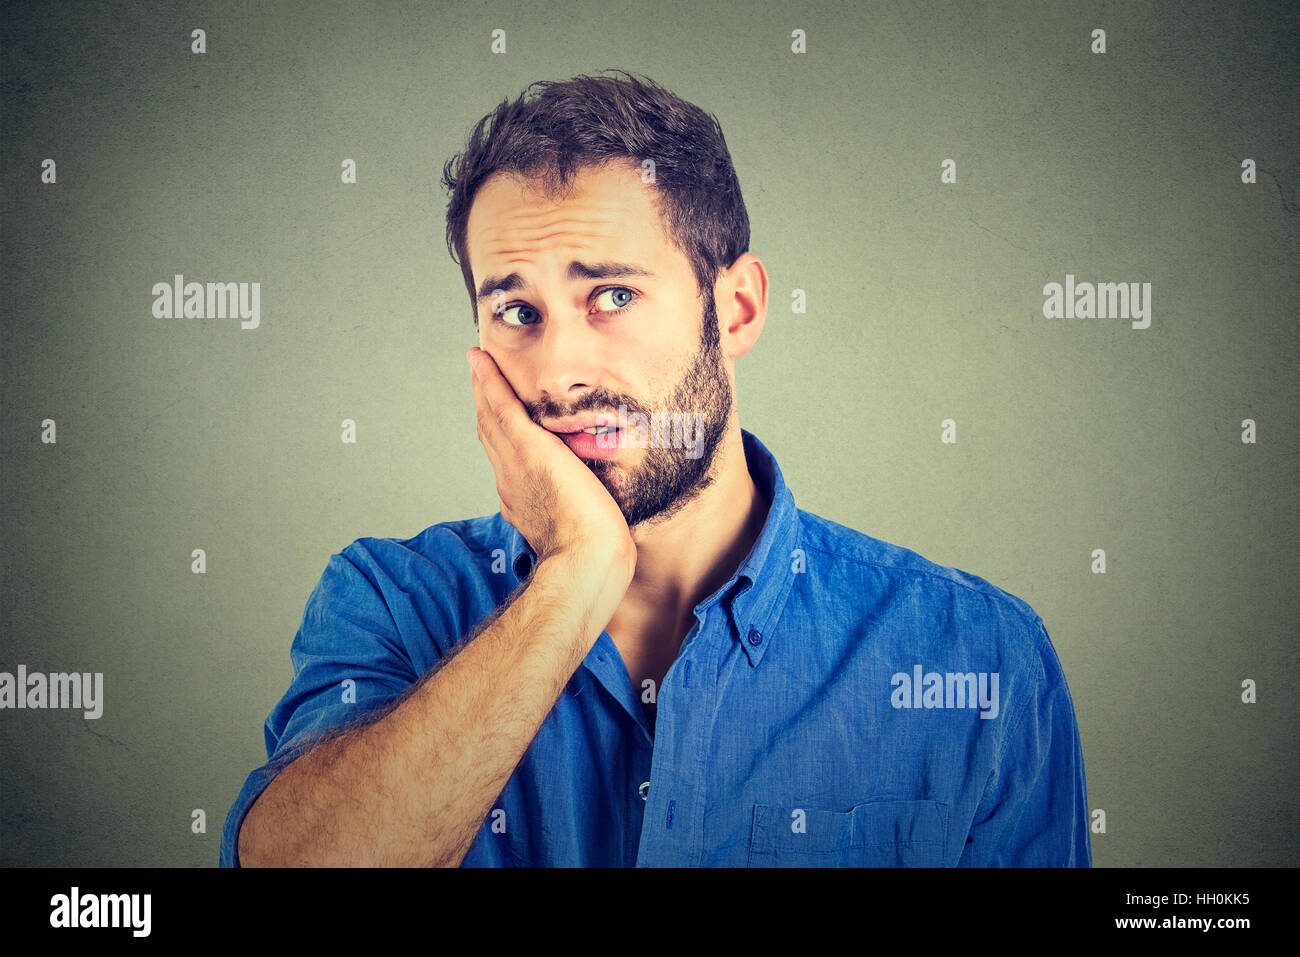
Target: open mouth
(597,442)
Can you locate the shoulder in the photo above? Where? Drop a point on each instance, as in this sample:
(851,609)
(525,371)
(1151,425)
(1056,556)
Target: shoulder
(927,604)
(857,553)
(449,549)
(419,594)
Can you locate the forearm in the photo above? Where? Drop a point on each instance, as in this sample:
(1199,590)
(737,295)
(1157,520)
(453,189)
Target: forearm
(413,788)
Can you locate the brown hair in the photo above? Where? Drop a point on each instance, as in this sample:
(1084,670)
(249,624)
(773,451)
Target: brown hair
(591,120)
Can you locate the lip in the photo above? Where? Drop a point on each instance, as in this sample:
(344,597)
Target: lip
(587,446)
(577,423)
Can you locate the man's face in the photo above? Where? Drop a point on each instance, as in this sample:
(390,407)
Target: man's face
(622,331)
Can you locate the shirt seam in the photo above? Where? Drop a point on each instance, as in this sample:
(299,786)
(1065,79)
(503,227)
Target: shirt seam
(378,589)
(1001,752)
(1002,598)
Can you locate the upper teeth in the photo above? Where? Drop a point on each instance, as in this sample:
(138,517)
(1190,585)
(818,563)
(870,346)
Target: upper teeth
(597,429)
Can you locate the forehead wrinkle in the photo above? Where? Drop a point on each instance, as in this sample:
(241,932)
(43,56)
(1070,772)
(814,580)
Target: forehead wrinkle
(518,213)
(515,235)
(579,207)
(523,254)
(515,245)
(514,239)
(526,220)
(494,236)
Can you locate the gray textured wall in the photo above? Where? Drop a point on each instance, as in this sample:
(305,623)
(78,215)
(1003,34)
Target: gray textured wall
(925,302)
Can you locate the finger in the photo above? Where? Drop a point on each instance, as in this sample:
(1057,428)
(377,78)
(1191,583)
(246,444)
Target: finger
(501,454)
(500,472)
(490,432)
(504,404)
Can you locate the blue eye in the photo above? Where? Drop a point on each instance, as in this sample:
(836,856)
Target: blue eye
(616,291)
(621,301)
(523,322)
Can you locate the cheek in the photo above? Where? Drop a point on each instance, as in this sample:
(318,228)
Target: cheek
(662,374)
(513,368)
(508,350)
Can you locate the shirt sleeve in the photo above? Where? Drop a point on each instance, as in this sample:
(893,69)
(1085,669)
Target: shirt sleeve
(1034,811)
(348,660)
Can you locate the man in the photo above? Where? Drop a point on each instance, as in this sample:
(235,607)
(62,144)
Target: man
(649,656)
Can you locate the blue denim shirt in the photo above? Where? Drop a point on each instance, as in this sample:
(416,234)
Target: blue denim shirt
(840,701)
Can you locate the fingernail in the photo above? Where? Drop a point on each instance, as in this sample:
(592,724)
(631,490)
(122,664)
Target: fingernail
(472,358)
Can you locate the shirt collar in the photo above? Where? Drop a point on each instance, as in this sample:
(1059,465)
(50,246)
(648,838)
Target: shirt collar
(758,589)
(756,592)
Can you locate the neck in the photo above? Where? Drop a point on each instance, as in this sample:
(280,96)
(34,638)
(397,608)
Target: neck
(686,558)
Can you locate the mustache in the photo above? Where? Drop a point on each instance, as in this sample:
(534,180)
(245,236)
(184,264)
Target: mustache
(592,402)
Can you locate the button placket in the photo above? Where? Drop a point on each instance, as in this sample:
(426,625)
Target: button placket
(670,832)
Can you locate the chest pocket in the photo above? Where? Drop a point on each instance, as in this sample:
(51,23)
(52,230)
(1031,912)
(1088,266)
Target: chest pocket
(874,834)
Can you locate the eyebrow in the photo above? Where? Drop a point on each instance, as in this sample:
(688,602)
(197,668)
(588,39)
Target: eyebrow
(577,270)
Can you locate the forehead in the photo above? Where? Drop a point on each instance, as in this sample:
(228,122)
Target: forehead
(609,213)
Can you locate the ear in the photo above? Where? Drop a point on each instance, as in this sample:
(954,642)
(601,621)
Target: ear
(741,293)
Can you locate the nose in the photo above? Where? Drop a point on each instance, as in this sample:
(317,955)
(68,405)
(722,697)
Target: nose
(569,358)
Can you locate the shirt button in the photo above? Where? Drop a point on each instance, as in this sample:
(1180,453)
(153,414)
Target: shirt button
(644,790)
(755,637)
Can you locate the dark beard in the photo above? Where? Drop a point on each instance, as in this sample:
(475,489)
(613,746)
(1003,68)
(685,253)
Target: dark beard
(668,478)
